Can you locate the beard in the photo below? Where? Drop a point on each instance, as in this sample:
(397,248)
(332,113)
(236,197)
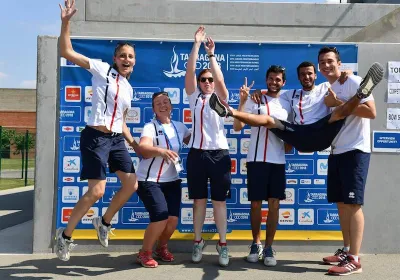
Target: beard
(307,86)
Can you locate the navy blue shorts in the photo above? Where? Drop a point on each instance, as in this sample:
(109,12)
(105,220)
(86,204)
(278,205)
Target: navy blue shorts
(347,176)
(98,149)
(215,165)
(313,137)
(160,199)
(265,180)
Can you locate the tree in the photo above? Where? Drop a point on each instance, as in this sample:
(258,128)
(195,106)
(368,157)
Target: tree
(7,137)
(19,141)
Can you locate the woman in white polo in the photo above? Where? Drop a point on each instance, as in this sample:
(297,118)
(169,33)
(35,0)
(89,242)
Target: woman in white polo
(208,158)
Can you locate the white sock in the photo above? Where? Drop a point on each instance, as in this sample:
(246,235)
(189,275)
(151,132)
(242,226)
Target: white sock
(354,257)
(346,249)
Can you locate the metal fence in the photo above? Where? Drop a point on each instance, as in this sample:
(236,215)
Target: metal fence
(17,157)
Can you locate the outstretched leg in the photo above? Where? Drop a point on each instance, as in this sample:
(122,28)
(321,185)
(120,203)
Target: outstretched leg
(373,77)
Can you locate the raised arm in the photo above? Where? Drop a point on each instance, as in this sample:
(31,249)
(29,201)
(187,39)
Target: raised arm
(190,77)
(244,93)
(66,49)
(220,87)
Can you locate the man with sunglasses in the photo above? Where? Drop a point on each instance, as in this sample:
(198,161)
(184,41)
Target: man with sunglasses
(265,162)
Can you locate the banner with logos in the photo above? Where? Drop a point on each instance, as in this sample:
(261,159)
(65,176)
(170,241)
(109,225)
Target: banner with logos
(160,65)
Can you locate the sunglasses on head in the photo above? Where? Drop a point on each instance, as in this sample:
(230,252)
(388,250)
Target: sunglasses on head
(204,79)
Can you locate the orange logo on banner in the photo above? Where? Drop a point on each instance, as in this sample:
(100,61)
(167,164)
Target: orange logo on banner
(66,213)
(72,93)
(264,215)
(233,165)
(90,213)
(286,214)
(187,116)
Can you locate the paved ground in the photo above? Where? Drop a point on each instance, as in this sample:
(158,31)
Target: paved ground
(16,206)
(8,173)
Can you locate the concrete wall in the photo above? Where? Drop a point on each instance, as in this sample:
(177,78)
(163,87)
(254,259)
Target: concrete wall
(13,99)
(227,21)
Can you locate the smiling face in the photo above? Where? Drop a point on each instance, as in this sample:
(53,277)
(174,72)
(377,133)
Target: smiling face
(329,65)
(162,106)
(124,59)
(307,77)
(206,82)
(275,82)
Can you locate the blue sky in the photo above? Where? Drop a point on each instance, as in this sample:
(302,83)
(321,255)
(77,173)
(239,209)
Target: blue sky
(21,22)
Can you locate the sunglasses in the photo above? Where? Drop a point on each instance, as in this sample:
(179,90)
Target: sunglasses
(204,79)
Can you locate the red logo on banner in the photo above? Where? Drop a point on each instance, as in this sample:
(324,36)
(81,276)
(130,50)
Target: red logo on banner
(264,215)
(187,116)
(233,166)
(66,213)
(72,94)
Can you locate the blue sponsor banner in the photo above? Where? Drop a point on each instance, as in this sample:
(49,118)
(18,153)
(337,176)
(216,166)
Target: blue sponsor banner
(386,141)
(328,217)
(161,66)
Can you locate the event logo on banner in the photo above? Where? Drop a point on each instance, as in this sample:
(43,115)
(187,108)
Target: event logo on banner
(161,66)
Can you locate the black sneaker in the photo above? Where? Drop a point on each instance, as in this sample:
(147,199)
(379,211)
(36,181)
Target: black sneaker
(373,77)
(219,106)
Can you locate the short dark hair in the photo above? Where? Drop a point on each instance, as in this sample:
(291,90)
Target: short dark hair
(158,94)
(276,69)
(327,49)
(305,64)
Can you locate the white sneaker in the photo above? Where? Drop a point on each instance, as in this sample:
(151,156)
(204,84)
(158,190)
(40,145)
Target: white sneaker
(256,253)
(223,255)
(197,253)
(63,246)
(102,231)
(268,254)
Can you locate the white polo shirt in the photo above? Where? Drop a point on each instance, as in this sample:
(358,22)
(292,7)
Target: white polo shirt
(355,133)
(308,106)
(264,145)
(207,127)
(112,95)
(157,169)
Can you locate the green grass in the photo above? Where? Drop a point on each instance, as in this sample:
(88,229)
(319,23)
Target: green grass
(6,184)
(15,163)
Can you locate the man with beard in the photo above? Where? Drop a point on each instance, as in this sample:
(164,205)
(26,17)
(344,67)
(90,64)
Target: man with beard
(265,162)
(313,134)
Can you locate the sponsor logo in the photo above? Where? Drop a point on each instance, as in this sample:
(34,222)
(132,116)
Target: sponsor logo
(322,167)
(185,97)
(289,192)
(243,167)
(70,194)
(286,217)
(305,181)
(66,63)
(244,145)
(325,152)
(70,114)
(80,128)
(88,94)
(319,181)
(313,197)
(111,179)
(243,196)
(233,166)
(67,128)
(88,113)
(232,143)
(292,181)
(129,148)
(238,216)
(187,216)
(137,129)
(71,143)
(66,214)
(135,215)
(135,162)
(187,116)
(73,94)
(68,179)
(140,93)
(93,212)
(327,217)
(174,94)
(133,115)
(114,219)
(247,131)
(185,196)
(237,181)
(174,72)
(305,217)
(264,215)
(300,167)
(234,96)
(305,154)
(351,195)
(71,164)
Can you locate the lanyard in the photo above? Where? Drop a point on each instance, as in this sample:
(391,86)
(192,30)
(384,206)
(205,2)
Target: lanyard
(166,136)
